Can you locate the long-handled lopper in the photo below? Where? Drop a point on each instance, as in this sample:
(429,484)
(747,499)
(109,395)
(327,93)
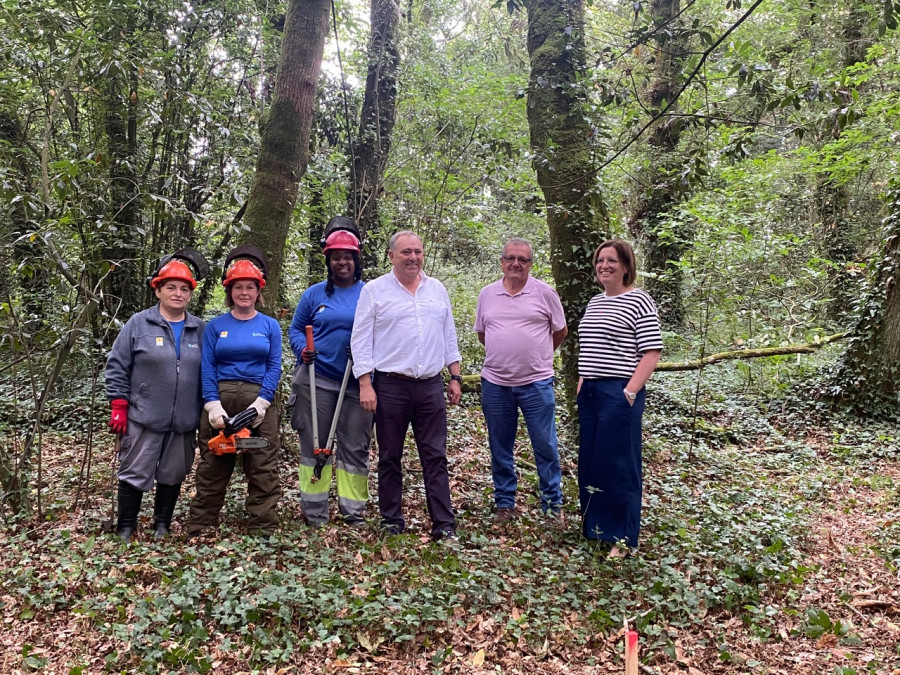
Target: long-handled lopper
(322,454)
(325,452)
(317,451)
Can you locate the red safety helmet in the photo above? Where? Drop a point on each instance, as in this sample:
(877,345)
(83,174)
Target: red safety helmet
(241,270)
(174,269)
(341,240)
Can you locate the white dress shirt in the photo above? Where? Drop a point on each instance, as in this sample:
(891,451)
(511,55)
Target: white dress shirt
(396,331)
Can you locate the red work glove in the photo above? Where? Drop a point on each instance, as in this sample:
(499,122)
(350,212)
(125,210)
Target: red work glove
(118,420)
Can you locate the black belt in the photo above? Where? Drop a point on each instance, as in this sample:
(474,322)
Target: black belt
(401,376)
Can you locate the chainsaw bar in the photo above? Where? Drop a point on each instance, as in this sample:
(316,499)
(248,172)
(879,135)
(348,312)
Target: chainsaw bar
(251,443)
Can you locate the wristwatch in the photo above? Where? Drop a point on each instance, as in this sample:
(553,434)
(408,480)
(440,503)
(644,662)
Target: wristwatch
(456,378)
(630,395)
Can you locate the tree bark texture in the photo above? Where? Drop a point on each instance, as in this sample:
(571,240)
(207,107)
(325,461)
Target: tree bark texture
(560,138)
(376,123)
(284,143)
(122,243)
(832,197)
(33,277)
(659,181)
(867,377)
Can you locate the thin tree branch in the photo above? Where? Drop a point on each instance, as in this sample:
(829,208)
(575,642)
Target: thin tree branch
(684,86)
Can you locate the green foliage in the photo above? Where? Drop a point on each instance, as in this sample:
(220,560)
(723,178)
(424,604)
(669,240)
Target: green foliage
(818,623)
(865,379)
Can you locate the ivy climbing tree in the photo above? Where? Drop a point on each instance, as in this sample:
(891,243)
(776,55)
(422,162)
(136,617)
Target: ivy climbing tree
(563,159)
(866,378)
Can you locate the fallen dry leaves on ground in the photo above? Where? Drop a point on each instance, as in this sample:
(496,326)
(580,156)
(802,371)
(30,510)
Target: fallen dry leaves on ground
(849,581)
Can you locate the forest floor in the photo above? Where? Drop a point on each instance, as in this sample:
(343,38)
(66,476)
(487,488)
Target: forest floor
(765,549)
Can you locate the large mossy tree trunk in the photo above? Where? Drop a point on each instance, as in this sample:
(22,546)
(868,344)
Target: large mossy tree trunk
(376,123)
(866,378)
(284,143)
(659,180)
(563,160)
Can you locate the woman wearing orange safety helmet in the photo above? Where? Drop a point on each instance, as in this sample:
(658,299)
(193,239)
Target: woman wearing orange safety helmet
(329,307)
(153,384)
(241,371)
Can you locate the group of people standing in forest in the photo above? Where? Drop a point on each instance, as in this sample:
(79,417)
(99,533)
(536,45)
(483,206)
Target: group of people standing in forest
(373,354)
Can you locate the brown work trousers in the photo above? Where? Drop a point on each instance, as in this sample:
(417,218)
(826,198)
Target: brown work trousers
(260,466)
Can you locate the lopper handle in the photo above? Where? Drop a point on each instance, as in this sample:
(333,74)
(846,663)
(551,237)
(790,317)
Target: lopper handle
(309,339)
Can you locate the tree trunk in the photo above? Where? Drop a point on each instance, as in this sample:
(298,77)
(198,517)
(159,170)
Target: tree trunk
(832,197)
(659,181)
(122,242)
(29,284)
(376,123)
(866,379)
(284,142)
(563,160)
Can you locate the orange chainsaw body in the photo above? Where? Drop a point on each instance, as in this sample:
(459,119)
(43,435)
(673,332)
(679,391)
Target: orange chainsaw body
(227,445)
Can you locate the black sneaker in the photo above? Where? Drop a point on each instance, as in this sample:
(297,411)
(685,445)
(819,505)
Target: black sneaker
(125,534)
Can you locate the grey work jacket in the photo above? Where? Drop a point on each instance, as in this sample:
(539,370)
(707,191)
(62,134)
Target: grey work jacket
(163,392)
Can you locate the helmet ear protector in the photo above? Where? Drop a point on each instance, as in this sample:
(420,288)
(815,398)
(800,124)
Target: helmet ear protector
(246,262)
(196,268)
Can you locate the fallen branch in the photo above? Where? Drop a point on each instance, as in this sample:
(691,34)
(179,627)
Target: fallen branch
(697,364)
(471,384)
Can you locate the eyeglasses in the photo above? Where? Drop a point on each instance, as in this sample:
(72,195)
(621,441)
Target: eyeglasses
(515,258)
(611,261)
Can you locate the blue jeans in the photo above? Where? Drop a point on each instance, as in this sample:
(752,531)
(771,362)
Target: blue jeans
(501,407)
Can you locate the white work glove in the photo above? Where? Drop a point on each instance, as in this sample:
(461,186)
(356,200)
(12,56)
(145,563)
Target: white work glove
(217,414)
(260,405)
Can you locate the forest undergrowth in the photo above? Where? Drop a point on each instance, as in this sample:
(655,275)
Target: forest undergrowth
(770,544)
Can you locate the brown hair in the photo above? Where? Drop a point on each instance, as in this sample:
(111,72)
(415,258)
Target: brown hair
(230,303)
(626,258)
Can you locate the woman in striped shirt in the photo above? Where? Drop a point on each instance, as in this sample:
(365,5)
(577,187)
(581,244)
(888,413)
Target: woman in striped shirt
(620,344)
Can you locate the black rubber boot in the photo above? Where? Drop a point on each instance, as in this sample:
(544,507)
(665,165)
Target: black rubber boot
(129,507)
(164,507)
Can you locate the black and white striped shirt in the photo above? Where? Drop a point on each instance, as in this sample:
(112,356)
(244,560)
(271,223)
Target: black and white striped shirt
(614,333)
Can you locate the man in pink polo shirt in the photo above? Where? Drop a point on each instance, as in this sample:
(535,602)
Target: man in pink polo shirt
(520,322)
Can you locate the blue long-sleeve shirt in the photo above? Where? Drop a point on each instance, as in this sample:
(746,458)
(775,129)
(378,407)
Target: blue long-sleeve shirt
(332,320)
(241,350)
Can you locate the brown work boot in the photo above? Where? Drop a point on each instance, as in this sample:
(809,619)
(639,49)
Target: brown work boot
(505,514)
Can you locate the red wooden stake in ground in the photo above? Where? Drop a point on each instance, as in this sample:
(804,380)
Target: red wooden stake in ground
(631,652)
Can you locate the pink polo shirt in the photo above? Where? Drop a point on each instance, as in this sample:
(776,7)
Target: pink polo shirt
(518,332)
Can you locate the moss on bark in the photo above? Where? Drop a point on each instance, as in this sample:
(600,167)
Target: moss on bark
(284,146)
(563,160)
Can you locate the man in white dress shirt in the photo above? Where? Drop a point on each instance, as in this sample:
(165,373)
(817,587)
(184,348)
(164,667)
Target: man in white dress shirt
(403,337)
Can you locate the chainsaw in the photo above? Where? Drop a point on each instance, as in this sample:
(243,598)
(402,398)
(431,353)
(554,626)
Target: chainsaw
(235,437)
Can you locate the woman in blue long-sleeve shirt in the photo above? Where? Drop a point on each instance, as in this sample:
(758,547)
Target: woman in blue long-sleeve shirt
(241,369)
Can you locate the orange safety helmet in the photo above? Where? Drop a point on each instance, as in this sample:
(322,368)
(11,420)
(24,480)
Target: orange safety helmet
(243,269)
(341,240)
(174,269)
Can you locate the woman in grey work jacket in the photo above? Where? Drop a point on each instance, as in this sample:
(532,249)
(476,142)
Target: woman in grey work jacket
(153,384)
